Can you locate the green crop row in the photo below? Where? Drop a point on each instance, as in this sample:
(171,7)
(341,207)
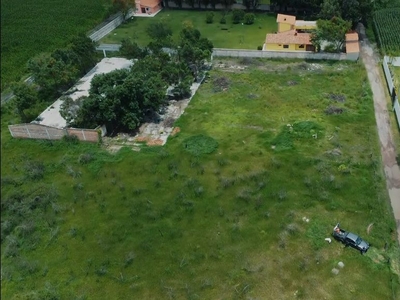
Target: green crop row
(31,27)
(385,23)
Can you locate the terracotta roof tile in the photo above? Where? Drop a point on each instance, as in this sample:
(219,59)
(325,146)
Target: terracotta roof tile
(286,19)
(288,37)
(352,47)
(149,3)
(353,36)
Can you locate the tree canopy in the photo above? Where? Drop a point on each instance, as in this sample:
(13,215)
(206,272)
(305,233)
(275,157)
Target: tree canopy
(122,99)
(332,31)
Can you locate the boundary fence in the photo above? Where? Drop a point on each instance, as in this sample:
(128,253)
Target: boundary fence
(279,54)
(42,132)
(391,87)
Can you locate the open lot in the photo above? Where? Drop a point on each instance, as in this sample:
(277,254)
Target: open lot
(227,35)
(31,27)
(291,140)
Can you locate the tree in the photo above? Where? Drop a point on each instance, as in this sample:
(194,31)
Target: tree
(191,3)
(206,3)
(330,9)
(69,108)
(248,18)
(332,31)
(160,32)
(131,50)
(25,97)
(179,3)
(123,6)
(237,16)
(194,50)
(53,72)
(251,4)
(85,51)
(351,11)
(121,99)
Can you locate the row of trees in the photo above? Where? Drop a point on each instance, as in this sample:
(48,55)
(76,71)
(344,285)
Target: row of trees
(122,99)
(53,73)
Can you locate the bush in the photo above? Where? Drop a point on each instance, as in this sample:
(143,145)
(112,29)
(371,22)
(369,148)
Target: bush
(223,20)
(200,144)
(210,18)
(259,47)
(237,16)
(249,18)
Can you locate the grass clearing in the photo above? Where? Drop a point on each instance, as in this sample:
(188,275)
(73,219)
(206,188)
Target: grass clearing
(227,35)
(28,29)
(165,223)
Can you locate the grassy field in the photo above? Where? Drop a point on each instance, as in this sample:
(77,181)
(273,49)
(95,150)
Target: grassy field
(236,36)
(164,223)
(31,27)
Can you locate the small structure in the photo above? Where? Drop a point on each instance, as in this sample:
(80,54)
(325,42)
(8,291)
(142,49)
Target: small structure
(289,41)
(292,35)
(352,45)
(285,22)
(148,7)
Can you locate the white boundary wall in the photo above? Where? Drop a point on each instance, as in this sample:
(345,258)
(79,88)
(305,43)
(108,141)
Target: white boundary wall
(389,80)
(280,54)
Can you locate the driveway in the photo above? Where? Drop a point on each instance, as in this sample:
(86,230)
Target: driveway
(388,151)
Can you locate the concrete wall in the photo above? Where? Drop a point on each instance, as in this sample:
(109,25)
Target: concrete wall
(391,87)
(278,54)
(42,132)
(106,29)
(284,27)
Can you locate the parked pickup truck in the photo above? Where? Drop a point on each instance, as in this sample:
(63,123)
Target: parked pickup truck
(350,239)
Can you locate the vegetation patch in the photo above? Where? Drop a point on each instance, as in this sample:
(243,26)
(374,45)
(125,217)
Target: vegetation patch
(385,21)
(200,144)
(300,131)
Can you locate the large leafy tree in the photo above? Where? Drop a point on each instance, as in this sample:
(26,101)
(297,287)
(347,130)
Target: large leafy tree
(25,96)
(121,99)
(193,49)
(131,50)
(160,32)
(53,72)
(123,6)
(330,9)
(332,31)
(85,50)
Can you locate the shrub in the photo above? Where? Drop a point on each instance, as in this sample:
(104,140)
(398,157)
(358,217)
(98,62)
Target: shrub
(210,18)
(200,144)
(259,47)
(223,20)
(237,16)
(249,18)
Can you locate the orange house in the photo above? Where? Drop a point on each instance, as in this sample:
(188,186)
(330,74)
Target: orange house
(148,7)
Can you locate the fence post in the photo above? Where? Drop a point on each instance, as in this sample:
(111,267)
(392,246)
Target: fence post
(83,134)
(48,135)
(27,130)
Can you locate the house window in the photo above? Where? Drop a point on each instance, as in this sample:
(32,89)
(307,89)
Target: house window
(301,46)
(147,9)
(285,46)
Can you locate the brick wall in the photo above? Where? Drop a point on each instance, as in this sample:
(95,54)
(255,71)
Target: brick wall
(42,132)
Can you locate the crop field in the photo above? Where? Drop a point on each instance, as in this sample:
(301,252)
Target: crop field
(227,35)
(386,24)
(31,27)
(270,156)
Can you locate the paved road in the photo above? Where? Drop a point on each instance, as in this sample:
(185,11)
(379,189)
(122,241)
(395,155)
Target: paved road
(388,150)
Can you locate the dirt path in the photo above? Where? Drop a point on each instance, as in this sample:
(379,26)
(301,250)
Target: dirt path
(392,170)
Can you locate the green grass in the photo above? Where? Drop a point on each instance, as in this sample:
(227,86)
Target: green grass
(236,36)
(31,27)
(79,223)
